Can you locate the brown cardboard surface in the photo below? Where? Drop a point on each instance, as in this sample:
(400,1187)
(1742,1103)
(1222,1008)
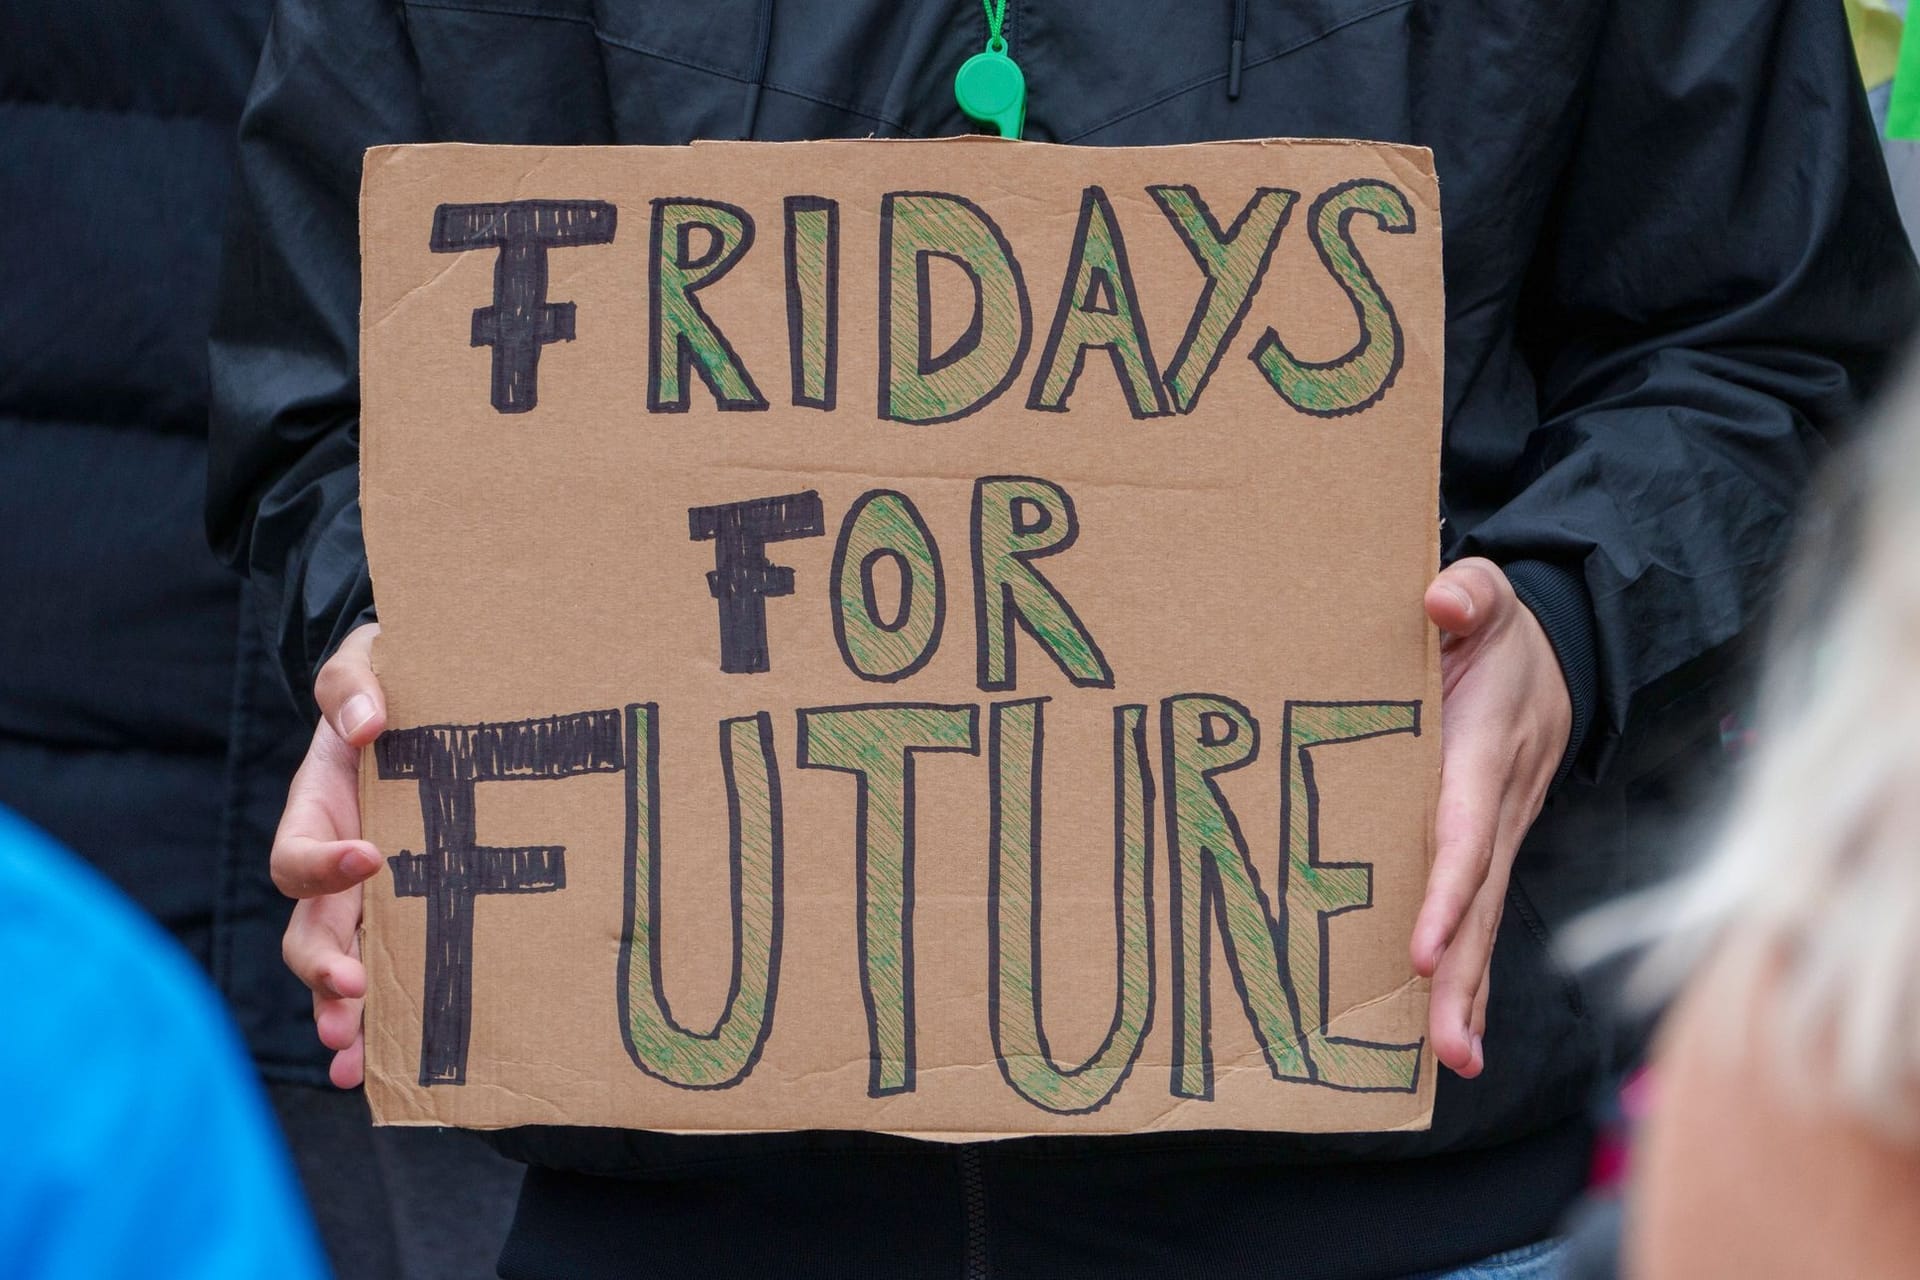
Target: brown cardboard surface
(1154,858)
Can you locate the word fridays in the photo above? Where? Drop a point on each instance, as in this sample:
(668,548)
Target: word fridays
(693,243)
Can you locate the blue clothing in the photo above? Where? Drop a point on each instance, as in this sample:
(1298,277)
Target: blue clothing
(136,1139)
(1542,1261)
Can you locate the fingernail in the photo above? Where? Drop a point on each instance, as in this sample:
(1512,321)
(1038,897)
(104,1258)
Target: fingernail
(1479,1050)
(358,863)
(1462,599)
(354,716)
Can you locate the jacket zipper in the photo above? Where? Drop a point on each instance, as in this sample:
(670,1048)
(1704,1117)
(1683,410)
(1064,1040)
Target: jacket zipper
(973,1201)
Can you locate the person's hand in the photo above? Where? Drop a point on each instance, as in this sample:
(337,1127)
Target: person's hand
(319,857)
(1505,717)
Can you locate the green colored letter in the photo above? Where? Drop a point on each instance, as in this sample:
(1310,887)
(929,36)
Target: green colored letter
(1234,260)
(1213,878)
(813,298)
(1015,749)
(695,242)
(1017,520)
(658,1044)
(918,384)
(877,744)
(1360,377)
(884,525)
(1100,309)
(1327,889)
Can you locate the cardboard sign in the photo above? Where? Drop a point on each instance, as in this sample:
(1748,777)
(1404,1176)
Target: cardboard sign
(911,636)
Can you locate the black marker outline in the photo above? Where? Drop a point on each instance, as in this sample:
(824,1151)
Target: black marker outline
(516,229)
(870,597)
(1090,198)
(796,319)
(742,579)
(834,574)
(1010,613)
(1138,745)
(909,823)
(885,397)
(685,358)
(1211,895)
(448,761)
(650,760)
(1344,229)
(1307,1033)
(1225,240)
(925,362)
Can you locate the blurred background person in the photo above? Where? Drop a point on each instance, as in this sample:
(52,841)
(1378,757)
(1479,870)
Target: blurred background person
(1783,1137)
(140,720)
(137,1139)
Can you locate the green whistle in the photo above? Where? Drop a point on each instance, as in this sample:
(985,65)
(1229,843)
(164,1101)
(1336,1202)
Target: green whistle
(992,89)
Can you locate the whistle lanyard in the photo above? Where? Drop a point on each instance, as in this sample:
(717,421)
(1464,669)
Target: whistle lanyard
(990,86)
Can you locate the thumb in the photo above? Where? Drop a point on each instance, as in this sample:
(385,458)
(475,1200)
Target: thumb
(349,693)
(1467,596)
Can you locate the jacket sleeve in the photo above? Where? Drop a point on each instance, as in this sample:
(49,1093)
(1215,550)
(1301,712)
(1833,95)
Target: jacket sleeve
(1723,280)
(283,486)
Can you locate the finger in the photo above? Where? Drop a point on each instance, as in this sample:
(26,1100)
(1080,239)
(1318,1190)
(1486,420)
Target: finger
(1467,595)
(319,946)
(317,848)
(1463,982)
(347,1070)
(306,868)
(338,1003)
(1457,1009)
(1466,826)
(337,1021)
(348,692)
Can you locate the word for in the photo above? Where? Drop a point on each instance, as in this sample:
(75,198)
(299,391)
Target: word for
(1017,520)
(927,236)
(1273,936)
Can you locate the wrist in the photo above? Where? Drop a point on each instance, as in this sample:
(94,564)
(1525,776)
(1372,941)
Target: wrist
(1558,600)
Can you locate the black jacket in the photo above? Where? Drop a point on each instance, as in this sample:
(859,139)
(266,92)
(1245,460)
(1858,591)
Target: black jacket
(140,721)
(1673,267)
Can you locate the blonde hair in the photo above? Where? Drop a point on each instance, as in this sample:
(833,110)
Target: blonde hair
(1810,890)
